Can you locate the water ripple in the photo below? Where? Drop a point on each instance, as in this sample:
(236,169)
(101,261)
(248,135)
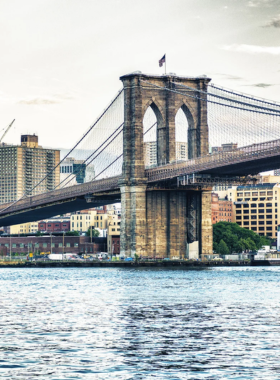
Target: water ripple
(93,323)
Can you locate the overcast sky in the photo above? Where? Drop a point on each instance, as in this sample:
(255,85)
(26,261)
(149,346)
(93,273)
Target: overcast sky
(61,59)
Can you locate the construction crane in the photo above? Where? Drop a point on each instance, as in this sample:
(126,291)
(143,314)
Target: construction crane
(7,130)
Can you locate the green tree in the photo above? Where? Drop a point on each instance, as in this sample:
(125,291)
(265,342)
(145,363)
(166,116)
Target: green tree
(95,233)
(237,238)
(223,248)
(39,233)
(72,233)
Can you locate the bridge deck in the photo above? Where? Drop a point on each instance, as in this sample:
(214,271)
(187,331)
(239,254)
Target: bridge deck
(242,162)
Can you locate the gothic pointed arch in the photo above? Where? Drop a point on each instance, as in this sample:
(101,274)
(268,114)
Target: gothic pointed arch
(159,143)
(191,129)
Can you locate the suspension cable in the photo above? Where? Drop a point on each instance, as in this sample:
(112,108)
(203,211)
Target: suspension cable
(122,153)
(246,96)
(81,139)
(206,100)
(90,157)
(227,99)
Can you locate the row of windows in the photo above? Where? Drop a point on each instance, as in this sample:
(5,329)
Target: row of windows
(36,245)
(255,205)
(260,211)
(256,221)
(258,216)
(256,193)
(87,217)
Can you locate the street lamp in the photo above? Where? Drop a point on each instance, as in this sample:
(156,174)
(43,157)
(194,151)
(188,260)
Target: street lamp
(51,243)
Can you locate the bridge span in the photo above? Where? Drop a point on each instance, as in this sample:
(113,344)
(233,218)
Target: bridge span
(230,167)
(166,209)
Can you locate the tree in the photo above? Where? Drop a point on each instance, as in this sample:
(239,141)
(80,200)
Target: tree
(95,233)
(72,233)
(237,238)
(39,233)
(223,248)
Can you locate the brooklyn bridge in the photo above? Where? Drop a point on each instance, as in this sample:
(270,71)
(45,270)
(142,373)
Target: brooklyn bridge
(166,207)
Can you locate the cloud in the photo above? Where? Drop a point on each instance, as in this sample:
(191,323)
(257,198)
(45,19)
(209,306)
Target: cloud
(230,77)
(275,23)
(262,3)
(253,49)
(55,99)
(262,85)
(38,102)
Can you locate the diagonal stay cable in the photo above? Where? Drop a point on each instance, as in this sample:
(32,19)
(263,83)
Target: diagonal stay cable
(107,167)
(90,157)
(81,139)
(101,150)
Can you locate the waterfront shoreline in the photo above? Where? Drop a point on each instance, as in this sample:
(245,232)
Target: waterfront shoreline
(180,264)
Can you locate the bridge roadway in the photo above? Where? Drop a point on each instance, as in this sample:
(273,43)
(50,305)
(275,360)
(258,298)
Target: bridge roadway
(244,161)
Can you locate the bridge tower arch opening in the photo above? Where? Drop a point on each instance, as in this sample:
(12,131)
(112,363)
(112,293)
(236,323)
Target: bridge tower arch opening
(186,133)
(154,136)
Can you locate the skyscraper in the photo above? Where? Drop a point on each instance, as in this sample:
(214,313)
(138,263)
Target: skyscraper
(23,166)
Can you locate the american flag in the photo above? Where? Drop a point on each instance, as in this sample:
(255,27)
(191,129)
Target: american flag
(161,61)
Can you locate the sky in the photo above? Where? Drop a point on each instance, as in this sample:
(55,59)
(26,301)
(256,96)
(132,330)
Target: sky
(61,59)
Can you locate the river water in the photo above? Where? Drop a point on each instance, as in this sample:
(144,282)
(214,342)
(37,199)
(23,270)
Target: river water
(95,323)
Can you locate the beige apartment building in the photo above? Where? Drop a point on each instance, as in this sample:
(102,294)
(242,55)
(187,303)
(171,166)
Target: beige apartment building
(81,221)
(256,207)
(25,228)
(23,166)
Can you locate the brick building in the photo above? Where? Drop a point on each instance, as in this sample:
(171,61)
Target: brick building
(52,244)
(222,210)
(54,225)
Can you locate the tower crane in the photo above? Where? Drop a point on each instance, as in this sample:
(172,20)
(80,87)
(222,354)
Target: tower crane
(7,130)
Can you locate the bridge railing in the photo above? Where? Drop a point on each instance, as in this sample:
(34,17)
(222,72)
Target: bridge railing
(156,174)
(67,192)
(213,160)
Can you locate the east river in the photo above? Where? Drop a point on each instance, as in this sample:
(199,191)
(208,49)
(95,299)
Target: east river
(92,323)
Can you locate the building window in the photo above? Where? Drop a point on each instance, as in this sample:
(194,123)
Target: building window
(45,245)
(68,245)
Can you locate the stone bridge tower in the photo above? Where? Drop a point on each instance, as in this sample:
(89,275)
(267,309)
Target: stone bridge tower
(163,222)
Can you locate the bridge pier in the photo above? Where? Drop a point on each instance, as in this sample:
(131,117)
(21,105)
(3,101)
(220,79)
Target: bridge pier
(165,223)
